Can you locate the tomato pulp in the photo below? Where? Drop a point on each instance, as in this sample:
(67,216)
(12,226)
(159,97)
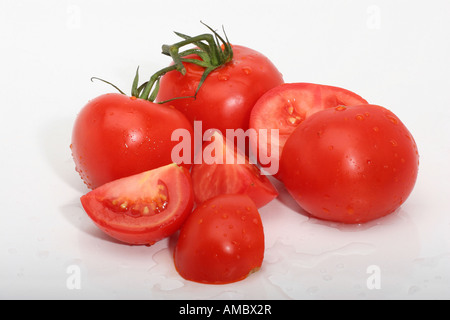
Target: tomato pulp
(143,208)
(286,106)
(224,169)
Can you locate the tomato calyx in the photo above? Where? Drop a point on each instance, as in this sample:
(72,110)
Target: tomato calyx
(146,91)
(213,52)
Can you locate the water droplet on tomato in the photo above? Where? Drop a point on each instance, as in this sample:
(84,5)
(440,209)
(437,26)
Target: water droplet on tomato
(394,143)
(223,77)
(247,70)
(376,129)
(350,209)
(359,117)
(392,119)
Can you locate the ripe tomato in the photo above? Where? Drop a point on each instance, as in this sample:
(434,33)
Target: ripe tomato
(221,242)
(143,208)
(213,174)
(286,106)
(116,136)
(350,164)
(228,94)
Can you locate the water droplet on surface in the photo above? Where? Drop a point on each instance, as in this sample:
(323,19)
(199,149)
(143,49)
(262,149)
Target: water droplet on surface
(327,277)
(413,290)
(359,117)
(43,254)
(312,290)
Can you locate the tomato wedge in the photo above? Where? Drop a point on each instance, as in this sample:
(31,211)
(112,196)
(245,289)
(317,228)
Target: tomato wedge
(221,242)
(226,170)
(286,106)
(143,208)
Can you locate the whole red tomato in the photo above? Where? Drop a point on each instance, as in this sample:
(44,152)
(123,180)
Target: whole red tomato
(286,106)
(115,136)
(350,164)
(228,94)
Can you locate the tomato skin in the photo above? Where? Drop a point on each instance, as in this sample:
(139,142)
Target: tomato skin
(115,136)
(239,177)
(286,106)
(350,165)
(229,93)
(141,228)
(221,242)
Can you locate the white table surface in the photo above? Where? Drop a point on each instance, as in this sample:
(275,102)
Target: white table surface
(393,53)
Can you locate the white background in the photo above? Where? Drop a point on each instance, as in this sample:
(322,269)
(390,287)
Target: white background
(393,53)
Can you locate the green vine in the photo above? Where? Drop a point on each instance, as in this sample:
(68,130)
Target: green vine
(213,51)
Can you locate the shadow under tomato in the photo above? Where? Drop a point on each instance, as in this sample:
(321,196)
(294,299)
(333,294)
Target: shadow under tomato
(286,199)
(74,213)
(54,139)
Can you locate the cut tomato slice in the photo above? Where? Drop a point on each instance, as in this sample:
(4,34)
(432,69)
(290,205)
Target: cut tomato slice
(143,208)
(224,169)
(286,106)
(221,242)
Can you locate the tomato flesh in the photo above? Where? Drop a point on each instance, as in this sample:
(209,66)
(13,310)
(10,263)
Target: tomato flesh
(350,164)
(221,242)
(143,208)
(240,176)
(286,106)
